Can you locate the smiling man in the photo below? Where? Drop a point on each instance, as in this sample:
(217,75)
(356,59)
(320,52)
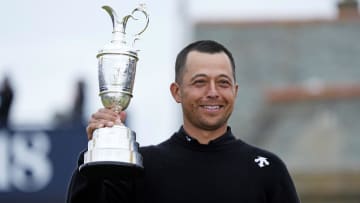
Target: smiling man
(206,89)
(202,161)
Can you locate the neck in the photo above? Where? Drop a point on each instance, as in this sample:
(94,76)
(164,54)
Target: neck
(205,136)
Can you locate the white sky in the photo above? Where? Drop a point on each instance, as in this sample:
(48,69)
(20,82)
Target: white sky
(46,45)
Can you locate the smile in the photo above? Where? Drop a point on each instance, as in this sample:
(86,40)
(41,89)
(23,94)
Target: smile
(211,107)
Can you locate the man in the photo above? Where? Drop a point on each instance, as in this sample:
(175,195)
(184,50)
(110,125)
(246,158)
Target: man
(203,161)
(6,99)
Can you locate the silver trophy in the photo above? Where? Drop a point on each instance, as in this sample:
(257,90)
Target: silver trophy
(113,151)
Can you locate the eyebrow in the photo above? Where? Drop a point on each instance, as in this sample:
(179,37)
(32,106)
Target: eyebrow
(204,75)
(198,75)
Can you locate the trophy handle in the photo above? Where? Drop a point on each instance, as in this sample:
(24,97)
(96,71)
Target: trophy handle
(141,8)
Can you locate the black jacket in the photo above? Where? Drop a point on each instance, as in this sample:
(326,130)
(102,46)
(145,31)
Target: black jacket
(183,170)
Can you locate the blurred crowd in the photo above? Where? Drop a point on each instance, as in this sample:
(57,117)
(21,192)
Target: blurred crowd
(72,118)
(6,100)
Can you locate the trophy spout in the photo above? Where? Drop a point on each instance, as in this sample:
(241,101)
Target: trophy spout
(119,26)
(112,15)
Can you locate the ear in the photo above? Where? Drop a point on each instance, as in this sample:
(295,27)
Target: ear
(175,92)
(236,89)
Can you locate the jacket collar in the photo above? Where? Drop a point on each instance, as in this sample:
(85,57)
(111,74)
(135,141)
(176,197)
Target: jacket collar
(186,139)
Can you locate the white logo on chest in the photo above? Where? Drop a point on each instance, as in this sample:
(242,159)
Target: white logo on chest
(262,161)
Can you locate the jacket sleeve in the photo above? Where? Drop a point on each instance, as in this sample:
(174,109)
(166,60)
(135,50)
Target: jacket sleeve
(281,187)
(82,189)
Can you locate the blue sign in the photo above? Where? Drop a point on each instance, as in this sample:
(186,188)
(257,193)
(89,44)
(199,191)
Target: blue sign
(36,165)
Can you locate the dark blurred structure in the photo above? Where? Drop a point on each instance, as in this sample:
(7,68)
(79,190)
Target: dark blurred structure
(78,106)
(299,96)
(75,116)
(348,9)
(36,162)
(6,100)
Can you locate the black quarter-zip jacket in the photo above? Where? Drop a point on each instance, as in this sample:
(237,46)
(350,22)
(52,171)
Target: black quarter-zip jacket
(181,169)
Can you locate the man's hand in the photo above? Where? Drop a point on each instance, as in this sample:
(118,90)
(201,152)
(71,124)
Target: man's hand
(104,118)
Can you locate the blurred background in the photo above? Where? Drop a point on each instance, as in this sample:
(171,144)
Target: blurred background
(298,67)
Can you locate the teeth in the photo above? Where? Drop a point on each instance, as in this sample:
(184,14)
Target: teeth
(212,107)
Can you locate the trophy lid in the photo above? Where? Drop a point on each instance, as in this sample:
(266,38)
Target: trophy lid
(121,43)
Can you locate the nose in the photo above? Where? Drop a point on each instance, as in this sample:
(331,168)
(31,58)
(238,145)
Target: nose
(212,91)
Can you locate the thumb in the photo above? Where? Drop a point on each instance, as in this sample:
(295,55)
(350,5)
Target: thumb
(121,118)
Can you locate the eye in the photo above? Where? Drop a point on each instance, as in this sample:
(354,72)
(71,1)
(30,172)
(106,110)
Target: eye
(224,83)
(199,82)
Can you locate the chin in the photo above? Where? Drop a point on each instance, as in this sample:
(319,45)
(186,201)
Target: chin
(213,126)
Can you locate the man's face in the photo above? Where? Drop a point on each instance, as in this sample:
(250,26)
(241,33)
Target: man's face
(207,91)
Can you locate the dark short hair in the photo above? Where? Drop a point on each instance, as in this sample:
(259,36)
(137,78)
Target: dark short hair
(205,46)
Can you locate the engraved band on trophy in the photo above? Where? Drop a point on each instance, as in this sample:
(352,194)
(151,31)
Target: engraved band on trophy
(114,149)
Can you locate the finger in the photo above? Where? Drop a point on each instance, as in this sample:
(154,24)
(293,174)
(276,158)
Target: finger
(118,122)
(104,118)
(120,119)
(95,124)
(104,114)
(91,127)
(108,123)
(107,111)
(122,115)
(101,122)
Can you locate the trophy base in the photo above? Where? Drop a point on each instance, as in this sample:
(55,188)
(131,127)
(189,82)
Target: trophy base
(110,170)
